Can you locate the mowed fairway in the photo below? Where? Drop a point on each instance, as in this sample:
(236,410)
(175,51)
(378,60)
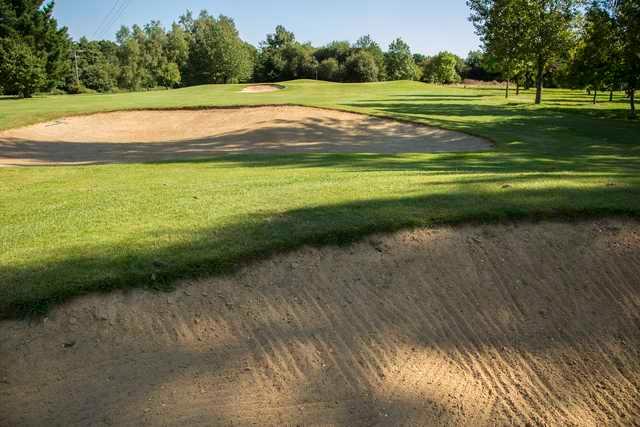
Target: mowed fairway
(529,320)
(69,230)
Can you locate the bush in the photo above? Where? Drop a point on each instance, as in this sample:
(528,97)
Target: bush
(361,67)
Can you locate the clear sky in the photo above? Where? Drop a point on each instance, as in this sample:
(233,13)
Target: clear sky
(428,26)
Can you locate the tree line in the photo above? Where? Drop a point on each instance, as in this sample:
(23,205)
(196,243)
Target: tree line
(593,45)
(530,43)
(195,50)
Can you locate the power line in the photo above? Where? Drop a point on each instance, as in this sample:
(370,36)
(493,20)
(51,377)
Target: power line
(104,20)
(117,16)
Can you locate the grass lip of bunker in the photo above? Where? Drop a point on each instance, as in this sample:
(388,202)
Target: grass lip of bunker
(263,88)
(163,135)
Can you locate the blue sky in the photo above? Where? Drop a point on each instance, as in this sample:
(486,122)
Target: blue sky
(428,26)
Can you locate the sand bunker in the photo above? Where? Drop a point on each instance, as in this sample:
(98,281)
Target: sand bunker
(521,324)
(262,88)
(165,135)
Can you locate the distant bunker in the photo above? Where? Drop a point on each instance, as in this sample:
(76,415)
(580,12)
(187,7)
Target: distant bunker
(161,135)
(262,88)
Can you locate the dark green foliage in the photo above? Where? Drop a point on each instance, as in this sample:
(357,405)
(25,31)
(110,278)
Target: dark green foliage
(98,66)
(517,32)
(28,26)
(627,18)
(339,50)
(596,62)
(476,67)
(281,57)
(361,67)
(399,63)
(442,68)
(216,52)
(367,44)
(22,71)
(330,70)
(271,62)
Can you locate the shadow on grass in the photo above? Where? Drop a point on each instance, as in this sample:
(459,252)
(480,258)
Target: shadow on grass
(30,289)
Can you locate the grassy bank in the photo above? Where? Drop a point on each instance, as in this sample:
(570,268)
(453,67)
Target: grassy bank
(69,230)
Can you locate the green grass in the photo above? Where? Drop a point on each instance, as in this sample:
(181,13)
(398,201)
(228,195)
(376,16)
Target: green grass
(65,231)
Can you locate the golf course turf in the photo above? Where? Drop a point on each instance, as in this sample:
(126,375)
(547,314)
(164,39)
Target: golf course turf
(69,230)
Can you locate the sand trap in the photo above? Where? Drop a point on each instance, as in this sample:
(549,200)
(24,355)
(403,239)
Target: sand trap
(517,324)
(165,135)
(262,88)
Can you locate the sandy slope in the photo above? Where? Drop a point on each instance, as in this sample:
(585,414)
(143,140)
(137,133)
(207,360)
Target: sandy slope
(477,325)
(163,135)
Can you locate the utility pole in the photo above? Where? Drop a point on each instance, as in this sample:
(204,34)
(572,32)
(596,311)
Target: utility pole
(75,57)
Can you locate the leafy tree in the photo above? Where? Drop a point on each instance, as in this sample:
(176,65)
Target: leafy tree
(367,44)
(596,60)
(330,70)
(98,66)
(177,46)
(30,23)
(419,58)
(442,69)
(299,62)
(271,64)
(517,31)
(361,67)
(169,75)
(627,17)
(22,72)
(503,34)
(217,54)
(399,62)
(132,73)
(340,50)
(476,67)
(281,57)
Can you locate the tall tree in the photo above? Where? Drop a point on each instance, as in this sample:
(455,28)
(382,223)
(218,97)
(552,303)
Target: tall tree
(330,70)
(399,61)
(596,60)
(271,62)
(22,71)
(98,66)
(536,30)
(367,44)
(502,34)
(31,25)
(132,73)
(361,67)
(627,16)
(217,54)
